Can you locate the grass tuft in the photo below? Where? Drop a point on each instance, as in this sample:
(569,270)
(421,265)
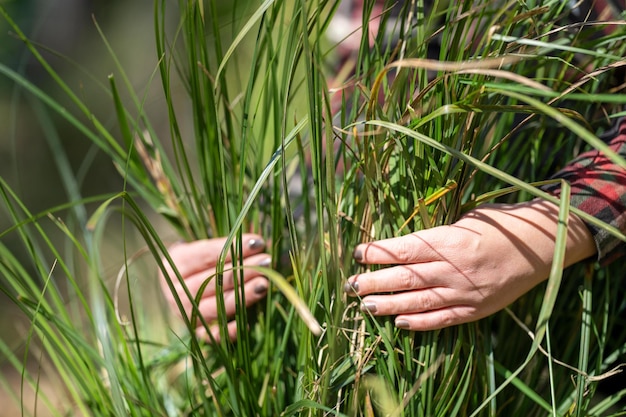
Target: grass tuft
(469,102)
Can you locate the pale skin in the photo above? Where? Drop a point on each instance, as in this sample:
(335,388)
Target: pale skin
(196,263)
(429,279)
(456,274)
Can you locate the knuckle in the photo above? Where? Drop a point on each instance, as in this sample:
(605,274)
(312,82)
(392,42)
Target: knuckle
(405,251)
(175,252)
(426,302)
(406,278)
(448,318)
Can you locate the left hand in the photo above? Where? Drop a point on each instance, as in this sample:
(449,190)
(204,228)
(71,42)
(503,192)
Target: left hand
(196,263)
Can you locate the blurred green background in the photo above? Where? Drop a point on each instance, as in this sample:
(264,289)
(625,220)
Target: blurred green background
(66,27)
(67,30)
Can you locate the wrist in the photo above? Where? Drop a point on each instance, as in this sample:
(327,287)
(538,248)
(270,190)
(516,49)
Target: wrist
(535,222)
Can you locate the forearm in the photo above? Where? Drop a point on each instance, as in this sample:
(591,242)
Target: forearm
(535,223)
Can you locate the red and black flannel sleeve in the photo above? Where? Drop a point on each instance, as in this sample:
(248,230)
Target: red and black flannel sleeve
(599,189)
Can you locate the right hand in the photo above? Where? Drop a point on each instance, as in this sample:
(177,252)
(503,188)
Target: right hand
(455,274)
(196,263)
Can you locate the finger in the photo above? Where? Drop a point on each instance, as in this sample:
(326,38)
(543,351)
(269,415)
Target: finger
(203,254)
(195,281)
(438,319)
(414,248)
(201,333)
(254,290)
(409,302)
(400,278)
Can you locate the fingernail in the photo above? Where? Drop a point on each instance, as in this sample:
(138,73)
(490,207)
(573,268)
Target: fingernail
(402,324)
(368,307)
(260,288)
(357,255)
(256,244)
(266,262)
(351,288)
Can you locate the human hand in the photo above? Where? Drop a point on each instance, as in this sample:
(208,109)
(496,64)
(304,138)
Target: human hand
(460,273)
(196,263)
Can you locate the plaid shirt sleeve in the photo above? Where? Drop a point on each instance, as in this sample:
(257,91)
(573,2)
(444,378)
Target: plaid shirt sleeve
(598,187)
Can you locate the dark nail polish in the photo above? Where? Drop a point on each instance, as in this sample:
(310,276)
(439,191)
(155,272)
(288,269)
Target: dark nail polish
(260,288)
(255,244)
(402,324)
(357,255)
(351,288)
(369,307)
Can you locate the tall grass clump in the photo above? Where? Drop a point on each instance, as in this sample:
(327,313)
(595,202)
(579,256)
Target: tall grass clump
(449,105)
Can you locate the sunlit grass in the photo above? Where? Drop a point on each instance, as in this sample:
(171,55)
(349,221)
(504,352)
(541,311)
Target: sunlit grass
(475,98)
